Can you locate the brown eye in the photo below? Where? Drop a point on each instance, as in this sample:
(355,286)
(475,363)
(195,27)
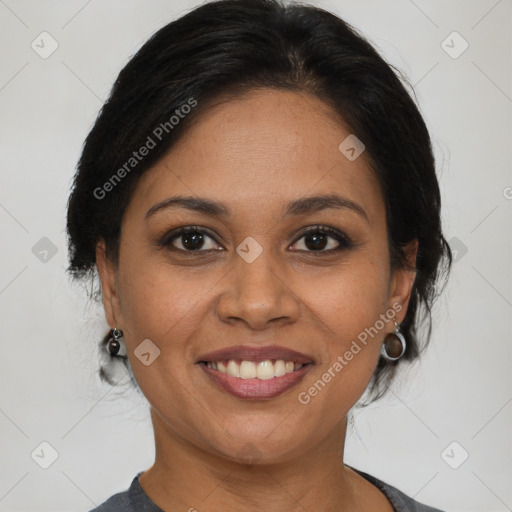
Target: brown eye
(323,239)
(316,240)
(190,239)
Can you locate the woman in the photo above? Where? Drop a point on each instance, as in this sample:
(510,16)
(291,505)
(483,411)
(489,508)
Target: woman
(258,197)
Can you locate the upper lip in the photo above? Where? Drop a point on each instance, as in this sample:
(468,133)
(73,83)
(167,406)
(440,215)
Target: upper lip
(256,354)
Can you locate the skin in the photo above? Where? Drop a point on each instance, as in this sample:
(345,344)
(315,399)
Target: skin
(255,154)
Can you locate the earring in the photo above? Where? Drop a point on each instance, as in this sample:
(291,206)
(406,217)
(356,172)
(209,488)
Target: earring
(394,345)
(113,344)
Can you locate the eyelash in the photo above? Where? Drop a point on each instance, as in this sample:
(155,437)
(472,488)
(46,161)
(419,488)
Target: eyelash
(344,241)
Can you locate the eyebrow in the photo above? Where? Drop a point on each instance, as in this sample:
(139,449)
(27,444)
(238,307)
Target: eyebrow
(300,206)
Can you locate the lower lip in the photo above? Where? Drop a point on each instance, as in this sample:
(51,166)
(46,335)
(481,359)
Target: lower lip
(256,389)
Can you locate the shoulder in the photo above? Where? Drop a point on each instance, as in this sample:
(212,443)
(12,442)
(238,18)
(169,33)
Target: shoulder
(134,499)
(400,501)
(116,503)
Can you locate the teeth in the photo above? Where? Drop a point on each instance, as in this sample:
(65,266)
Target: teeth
(233,369)
(280,368)
(263,370)
(247,370)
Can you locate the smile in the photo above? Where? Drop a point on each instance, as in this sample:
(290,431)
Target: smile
(255,372)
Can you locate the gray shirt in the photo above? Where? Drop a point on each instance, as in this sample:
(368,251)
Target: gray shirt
(136,500)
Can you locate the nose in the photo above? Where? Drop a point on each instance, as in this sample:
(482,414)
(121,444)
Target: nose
(258,294)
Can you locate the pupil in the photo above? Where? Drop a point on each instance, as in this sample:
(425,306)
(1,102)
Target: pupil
(318,240)
(192,240)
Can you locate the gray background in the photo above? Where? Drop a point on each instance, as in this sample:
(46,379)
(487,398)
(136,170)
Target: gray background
(49,391)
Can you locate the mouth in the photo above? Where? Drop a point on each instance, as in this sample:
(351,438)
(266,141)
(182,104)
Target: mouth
(255,373)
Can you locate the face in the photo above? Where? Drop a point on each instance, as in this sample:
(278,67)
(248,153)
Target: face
(268,268)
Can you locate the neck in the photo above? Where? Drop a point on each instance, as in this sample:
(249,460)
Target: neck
(187,477)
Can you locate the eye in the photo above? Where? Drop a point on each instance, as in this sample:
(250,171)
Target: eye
(190,239)
(323,239)
(319,239)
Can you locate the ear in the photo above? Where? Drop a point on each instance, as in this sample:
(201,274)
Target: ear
(402,282)
(109,288)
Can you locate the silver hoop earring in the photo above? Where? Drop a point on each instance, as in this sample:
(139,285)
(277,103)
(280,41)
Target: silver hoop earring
(113,344)
(394,345)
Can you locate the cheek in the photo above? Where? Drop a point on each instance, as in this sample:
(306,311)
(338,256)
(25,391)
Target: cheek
(165,306)
(350,304)
(352,298)
(160,302)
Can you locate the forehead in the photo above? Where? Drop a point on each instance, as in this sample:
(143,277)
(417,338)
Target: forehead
(261,149)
